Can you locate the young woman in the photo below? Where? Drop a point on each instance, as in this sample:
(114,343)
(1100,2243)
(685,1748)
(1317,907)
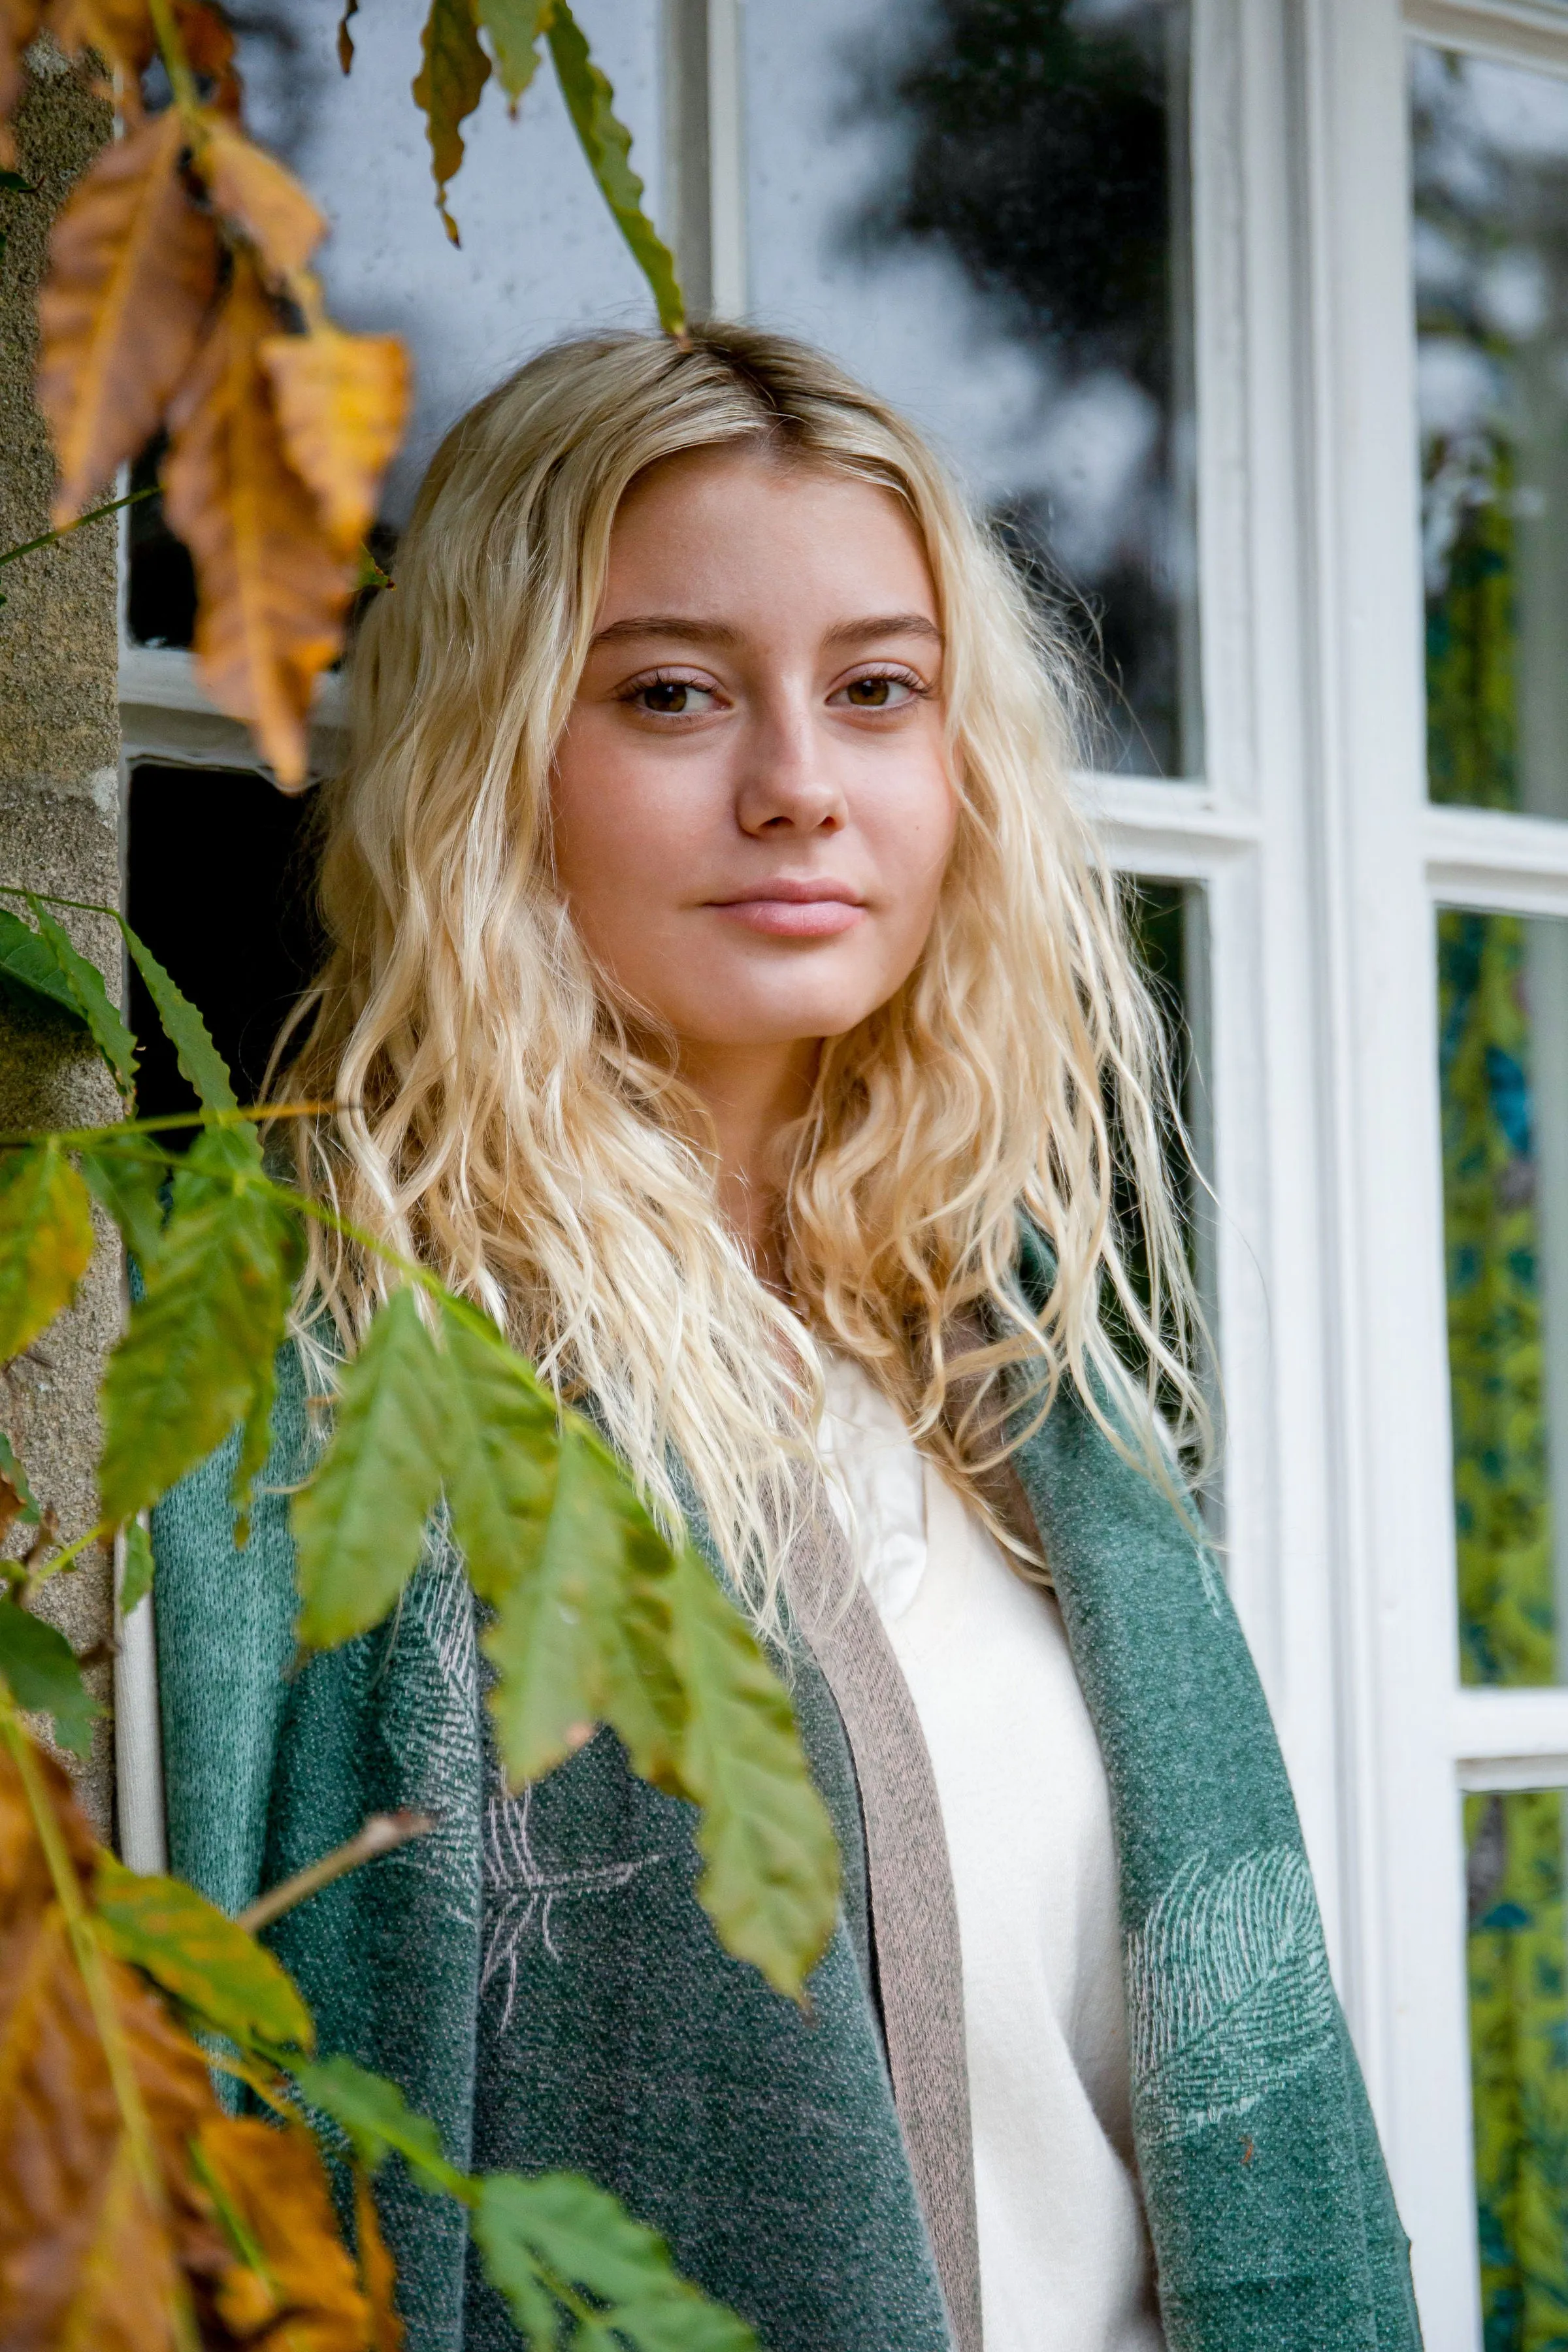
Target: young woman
(729,1000)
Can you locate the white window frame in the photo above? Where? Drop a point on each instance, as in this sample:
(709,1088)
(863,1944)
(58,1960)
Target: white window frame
(1322,864)
(1349,1588)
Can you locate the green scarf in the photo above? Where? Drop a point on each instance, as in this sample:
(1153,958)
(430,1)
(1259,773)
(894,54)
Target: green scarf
(538,1976)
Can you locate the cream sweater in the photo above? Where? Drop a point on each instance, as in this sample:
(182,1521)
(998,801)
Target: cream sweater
(1064,2252)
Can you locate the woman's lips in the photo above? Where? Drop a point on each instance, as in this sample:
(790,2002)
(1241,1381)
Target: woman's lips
(794,910)
(793,918)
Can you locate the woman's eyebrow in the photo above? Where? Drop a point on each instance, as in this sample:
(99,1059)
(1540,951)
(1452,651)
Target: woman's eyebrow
(883,625)
(719,633)
(668,625)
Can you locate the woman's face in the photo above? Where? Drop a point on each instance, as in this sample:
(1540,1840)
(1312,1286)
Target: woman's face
(752,804)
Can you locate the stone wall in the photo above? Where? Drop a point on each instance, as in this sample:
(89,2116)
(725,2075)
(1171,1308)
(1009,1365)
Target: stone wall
(59,802)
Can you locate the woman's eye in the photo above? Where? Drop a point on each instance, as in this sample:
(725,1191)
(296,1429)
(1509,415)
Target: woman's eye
(674,697)
(875,693)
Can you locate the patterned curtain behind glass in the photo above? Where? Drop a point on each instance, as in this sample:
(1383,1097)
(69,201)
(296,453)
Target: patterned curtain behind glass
(1518,2002)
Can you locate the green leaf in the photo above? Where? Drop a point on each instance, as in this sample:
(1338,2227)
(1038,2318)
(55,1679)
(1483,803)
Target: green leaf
(501,1443)
(370,573)
(221,1158)
(562,2225)
(85,981)
(197,1954)
(136,1576)
(359,1526)
(45,1242)
(126,1179)
(514,27)
(377,2119)
(16,1477)
(200,1062)
(254,1445)
(583,1633)
(771,1884)
(607,144)
(201,1339)
(447,90)
(28,966)
(39,1665)
(535,2309)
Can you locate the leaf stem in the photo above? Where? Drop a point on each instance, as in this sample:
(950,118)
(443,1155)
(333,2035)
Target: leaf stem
(30,547)
(382,1833)
(46,897)
(41,1574)
(239,2237)
(176,64)
(82,1138)
(100,1999)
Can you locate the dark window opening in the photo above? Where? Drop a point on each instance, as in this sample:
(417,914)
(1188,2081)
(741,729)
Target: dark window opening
(160,586)
(220,884)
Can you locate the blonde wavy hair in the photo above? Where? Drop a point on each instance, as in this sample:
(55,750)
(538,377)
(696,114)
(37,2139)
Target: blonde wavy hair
(511,1123)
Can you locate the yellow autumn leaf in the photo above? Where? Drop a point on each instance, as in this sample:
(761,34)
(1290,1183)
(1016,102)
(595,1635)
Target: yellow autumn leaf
(133,267)
(96,2243)
(117,31)
(342,402)
(272,2191)
(375,2269)
(253,190)
(272,588)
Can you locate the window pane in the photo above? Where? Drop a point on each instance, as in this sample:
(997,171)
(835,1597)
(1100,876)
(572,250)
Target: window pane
(1490,246)
(1168,921)
(981,206)
(1503,1014)
(1517,1960)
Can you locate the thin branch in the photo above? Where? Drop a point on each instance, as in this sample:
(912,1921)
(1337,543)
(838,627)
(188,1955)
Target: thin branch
(82,1138)
(48,539)
(48,897)
(383,1833)
(46,1569)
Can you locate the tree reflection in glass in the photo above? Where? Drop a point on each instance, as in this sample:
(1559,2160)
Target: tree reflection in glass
(983,204)
(1489,250)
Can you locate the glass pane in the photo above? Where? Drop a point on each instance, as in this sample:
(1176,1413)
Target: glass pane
(1518,1958)
(539,254)
(1168,921)
(1490,244)
(982,206)
(1503,1059)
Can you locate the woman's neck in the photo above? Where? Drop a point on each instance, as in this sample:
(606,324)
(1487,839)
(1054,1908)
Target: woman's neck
(752,1093)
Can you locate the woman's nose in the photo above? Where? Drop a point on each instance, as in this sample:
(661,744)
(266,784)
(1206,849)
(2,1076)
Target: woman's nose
(786,781)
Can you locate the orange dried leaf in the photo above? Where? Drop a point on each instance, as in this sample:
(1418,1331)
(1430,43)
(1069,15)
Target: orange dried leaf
(209,48)
(251,189)
(95,2245)
(120,31)
(341,402)
(133,266)
(272,587)
(272,2189)
(376,2273)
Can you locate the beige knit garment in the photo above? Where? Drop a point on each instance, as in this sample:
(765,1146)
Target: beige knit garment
(1063,2256)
